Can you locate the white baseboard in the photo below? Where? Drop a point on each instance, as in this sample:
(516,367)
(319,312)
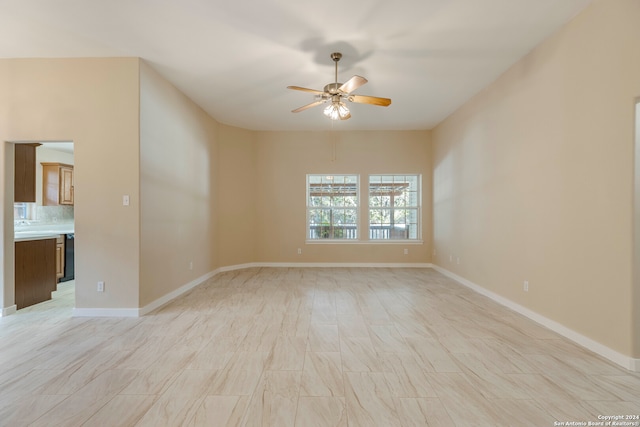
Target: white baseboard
(238,267)
(586,342)
(8,310)
(324,265)
(137,312)
(175,294)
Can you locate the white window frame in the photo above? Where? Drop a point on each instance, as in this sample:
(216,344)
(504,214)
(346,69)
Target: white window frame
(332,228)
(395,233)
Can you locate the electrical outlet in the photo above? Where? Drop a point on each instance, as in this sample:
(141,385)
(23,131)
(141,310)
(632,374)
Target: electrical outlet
(100,287)
(526,286)
(299,251)
(450,258)
(190,265)
(406,251)
(457,260)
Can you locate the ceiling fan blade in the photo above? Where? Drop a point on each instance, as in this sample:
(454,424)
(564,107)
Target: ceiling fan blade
(304,89)
(373,100)
(352,84)
(304,107)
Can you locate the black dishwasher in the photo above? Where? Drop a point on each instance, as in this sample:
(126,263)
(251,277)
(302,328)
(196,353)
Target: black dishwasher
(68,259)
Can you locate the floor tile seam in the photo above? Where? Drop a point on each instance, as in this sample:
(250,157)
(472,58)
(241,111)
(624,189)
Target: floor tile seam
(342,371)
(83,383)
(446,410)
(88,416)
(251,396)
(135,422)
(193,408)
(295,412)
(18,378)
(487,410)
(51,409)
(140,416)
(388,390)
(571,393)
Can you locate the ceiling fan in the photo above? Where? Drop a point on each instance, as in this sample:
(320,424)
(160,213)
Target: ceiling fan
(336,93)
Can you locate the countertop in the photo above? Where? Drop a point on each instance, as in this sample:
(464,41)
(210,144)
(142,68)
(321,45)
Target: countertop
(41,231)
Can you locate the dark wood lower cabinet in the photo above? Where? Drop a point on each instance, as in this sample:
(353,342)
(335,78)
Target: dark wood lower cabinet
(35,271)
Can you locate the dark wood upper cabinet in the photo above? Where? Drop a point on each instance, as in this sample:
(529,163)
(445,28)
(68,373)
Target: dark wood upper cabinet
(25,173)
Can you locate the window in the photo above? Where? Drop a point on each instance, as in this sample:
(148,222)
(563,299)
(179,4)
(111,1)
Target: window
(24,211)
(19,211)
(332,207)
(394,207)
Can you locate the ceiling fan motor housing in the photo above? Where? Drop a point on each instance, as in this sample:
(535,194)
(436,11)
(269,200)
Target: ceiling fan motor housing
(332,88)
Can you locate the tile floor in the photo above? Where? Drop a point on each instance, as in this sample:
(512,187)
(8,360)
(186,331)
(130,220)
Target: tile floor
(304,347)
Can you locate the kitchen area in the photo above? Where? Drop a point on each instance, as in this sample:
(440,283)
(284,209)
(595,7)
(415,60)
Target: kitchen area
(43,220)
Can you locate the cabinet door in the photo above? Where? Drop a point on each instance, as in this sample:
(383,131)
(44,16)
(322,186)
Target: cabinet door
(60,257)
(66,185)
(50,184)
(35,271)
(57,184)
(25,173)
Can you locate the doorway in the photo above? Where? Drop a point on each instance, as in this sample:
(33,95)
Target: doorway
(50,214)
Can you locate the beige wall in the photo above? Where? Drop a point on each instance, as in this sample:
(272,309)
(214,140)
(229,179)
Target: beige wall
(533,178)
(285,158)
(94,103)
(236,205)
(262,192)
(178,162)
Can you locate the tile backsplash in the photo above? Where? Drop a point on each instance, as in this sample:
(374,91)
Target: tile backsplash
(54,214)
(35,214)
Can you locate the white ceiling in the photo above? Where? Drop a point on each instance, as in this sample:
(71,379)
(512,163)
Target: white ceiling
(236,58)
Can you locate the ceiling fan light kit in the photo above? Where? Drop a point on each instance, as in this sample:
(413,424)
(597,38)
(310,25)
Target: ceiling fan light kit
(336,93)
(337,111)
